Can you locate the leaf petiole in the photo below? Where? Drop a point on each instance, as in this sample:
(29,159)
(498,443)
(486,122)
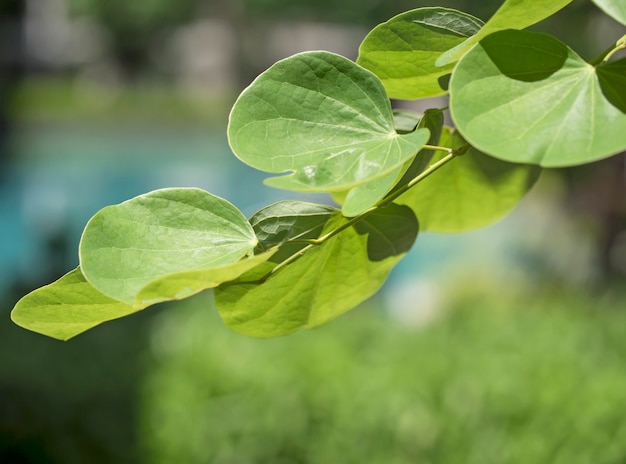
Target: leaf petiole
(452,153)
(607,54)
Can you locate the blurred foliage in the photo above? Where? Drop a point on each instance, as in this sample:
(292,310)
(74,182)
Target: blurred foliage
(70,403)
(542,381)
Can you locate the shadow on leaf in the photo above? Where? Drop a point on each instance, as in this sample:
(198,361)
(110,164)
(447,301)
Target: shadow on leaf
(391,231)
(524,57)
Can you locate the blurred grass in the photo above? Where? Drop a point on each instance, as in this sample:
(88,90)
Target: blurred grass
(491,381)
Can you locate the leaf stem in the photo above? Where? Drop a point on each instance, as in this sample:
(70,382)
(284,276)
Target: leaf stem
(452,153)
(607,54)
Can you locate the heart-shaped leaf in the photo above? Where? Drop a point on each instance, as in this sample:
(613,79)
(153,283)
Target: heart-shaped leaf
(323,117)
(616,9)
(124,247)
(403,50)
(527,98)
(67,308)
(512,14)
(471,191)
(325,282)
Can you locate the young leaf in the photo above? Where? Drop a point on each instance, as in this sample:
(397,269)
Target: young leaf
(325,282)
(67,308)
(512,14)
(124,247)
(616,9)
(403,50)
(323,117)
(525,97)
(472,191)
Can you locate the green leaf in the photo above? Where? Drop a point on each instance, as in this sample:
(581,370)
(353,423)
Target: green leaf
(433,121)
(290,220)
(405,120)
(525,97)
(67,308)
(403,50)
(322,117)
(180,285)
(471,191)
(124,247)
(361,198)
(512,14)
(616,9)
(273,225)
(326,281)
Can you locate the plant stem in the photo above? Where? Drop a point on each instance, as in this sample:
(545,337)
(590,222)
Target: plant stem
(384,202)
(607,54)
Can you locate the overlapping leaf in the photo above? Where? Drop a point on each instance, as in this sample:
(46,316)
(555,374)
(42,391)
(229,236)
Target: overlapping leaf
(273,225)
(525,97)
(323,118)
(614,8)
(471,191)
(402,51)
(512,14)
(125,247)
(325,282)
(360,198)
(67,308)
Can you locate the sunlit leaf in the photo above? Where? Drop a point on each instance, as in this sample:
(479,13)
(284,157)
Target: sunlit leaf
(67,308)
(525,97)
(179,285)
(614,8)
(326,281)
(471,191)
(124,247)
(360,198)
(403,50)
(323,118)
(512,14)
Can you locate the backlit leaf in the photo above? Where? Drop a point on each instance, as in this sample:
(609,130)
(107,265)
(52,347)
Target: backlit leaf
(512,14)
(325,282)
(67,308)
(124,247)
(525,97)
(403,50)
(471,191)
(323,118)
(614,8)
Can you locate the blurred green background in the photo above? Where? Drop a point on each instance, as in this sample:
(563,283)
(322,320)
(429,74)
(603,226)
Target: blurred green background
(503,345)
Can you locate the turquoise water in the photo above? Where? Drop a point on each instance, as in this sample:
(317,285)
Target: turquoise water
(61,174)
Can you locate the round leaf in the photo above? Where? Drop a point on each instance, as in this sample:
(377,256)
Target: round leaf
(525,97)
(124,247)
(322,117)
(403,50)
(471,191)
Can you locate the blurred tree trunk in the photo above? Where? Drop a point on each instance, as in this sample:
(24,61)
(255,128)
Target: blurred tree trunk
(598,192)
(12,14)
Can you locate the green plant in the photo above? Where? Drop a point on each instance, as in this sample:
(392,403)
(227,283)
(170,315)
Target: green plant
(519,100)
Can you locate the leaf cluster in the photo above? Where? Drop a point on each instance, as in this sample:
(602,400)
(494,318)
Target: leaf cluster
(318,122)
